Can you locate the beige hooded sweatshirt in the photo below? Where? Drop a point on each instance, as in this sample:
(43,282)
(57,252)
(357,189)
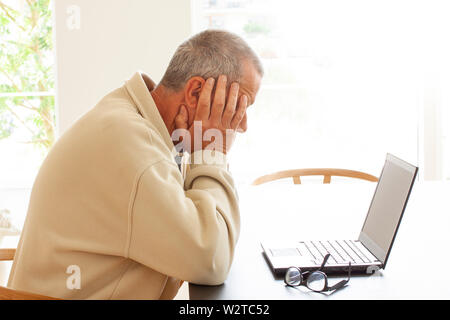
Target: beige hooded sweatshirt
(111,216)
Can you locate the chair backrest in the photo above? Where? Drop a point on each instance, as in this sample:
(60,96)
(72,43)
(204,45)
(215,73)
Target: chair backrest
(327,173)
(7,254)
(11,294)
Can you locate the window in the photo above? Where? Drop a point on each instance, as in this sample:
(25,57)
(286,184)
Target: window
(344,83)
(27,113)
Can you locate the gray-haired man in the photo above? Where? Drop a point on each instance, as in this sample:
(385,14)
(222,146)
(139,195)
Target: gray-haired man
(110,203)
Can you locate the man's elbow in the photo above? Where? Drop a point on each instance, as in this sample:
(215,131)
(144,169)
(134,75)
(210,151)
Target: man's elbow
(214,259)
(212,272)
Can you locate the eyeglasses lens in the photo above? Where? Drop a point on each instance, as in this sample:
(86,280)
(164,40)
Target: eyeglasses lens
(293,277)
(316,281)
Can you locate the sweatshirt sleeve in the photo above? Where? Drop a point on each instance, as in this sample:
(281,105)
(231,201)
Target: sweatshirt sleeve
(186,229)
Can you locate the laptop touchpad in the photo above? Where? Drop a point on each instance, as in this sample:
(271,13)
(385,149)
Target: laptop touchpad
(282,252)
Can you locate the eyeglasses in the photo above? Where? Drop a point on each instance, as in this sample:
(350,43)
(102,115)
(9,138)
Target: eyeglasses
(316,281)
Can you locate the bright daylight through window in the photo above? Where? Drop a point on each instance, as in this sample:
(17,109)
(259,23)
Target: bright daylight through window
(340,89)
(27,113)
(345,83)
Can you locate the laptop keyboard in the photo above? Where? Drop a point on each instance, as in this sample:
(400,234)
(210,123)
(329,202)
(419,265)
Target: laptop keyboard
(341,251)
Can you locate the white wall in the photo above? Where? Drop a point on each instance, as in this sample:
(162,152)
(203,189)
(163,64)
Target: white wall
(101,43)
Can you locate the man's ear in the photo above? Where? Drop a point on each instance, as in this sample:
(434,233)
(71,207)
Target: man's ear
(192,90)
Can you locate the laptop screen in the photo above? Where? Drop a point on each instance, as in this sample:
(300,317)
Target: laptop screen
(388,204)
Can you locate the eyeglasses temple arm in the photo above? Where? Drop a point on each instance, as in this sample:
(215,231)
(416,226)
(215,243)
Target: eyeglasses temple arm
(325,259)
(342,283)
(338,285)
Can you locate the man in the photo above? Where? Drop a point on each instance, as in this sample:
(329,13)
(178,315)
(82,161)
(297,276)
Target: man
(111,216)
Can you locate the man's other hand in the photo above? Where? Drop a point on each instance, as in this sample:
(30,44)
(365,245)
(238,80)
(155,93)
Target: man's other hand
(215,123)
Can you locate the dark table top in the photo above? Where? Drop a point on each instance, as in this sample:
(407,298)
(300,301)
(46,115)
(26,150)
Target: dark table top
(329,212)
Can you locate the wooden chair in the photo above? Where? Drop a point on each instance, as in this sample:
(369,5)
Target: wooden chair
(10,294)
(325,172)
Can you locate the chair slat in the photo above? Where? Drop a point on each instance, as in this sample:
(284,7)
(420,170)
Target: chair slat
(326,172)
(10,294)
(7,254)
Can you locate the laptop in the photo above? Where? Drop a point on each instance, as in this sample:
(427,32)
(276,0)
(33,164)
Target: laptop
(370,251)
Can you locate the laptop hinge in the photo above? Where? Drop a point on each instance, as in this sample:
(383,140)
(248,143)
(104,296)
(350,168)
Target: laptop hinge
(372,247)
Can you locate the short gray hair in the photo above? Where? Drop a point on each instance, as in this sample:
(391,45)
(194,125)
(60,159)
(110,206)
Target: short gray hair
(209,54)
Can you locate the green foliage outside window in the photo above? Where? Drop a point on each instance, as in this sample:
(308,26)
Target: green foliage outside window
(253,28)
(26,66)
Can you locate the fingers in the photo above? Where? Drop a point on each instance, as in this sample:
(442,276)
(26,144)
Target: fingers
(204,101)
(219,99)
(179,134)
(229,115)
(240,112)
(243,125)
(230,108)
(181,120)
